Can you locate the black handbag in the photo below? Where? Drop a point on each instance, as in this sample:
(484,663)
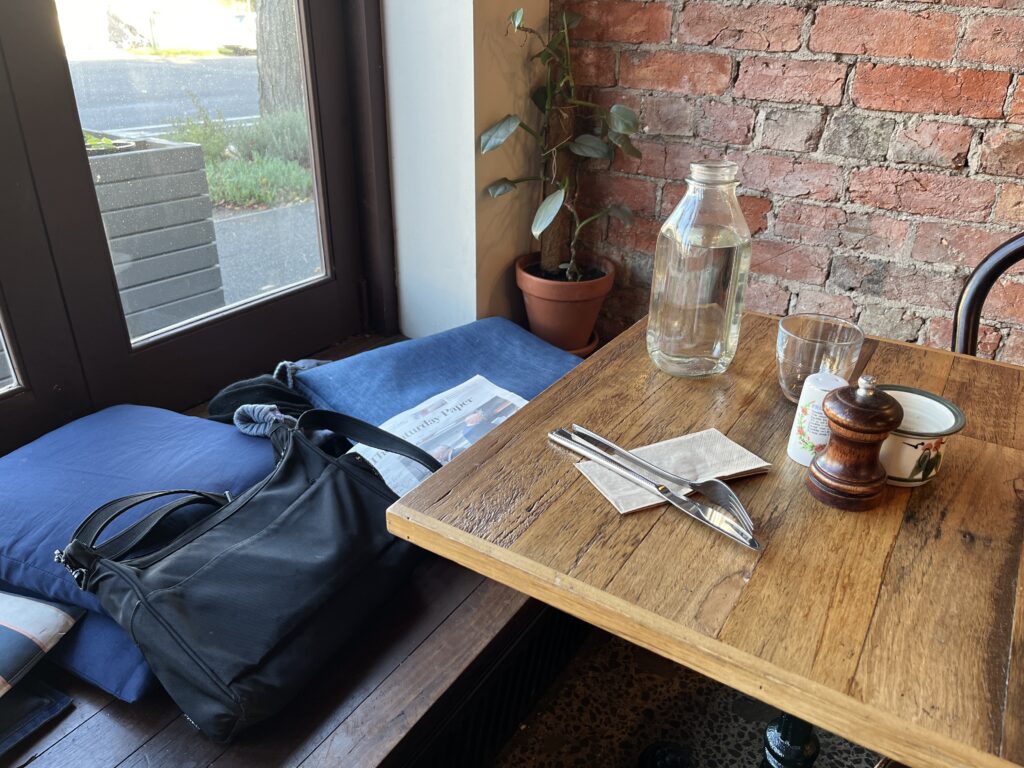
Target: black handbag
(235,613)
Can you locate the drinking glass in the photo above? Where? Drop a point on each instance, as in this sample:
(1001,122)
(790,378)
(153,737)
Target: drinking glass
(809,343)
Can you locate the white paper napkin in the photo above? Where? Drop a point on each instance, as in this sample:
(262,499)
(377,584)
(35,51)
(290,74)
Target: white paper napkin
(699,456)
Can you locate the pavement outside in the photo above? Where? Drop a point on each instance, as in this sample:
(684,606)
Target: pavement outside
(261,251)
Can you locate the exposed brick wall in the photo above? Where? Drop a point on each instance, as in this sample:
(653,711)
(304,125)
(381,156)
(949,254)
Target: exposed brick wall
(880,143)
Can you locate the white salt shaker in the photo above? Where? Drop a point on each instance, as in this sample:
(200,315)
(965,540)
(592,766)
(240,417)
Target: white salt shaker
(809,435)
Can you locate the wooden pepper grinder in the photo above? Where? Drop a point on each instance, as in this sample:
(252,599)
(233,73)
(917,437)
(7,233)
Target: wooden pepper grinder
(848,475)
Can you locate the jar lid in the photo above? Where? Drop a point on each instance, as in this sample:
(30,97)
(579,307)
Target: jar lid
(864,407)
(713,171)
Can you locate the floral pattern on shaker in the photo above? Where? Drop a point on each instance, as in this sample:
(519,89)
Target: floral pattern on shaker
(801,432)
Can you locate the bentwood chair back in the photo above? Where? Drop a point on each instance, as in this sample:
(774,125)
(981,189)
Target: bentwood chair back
(968,311)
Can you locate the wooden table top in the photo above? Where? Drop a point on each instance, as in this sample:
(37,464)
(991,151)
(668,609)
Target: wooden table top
(899,628)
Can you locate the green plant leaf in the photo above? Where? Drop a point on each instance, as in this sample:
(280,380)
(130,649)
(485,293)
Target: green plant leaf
(622,119)
(500,187)
(539,97)
(572,19)
(496,135)
(516,18)
(622,141)
(547,211)
(622,213)
(589,145)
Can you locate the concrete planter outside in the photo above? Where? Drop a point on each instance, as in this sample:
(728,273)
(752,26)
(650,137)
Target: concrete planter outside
(156,210)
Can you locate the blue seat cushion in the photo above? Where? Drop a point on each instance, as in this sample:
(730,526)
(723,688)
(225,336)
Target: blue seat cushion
(50,485)
(381,383)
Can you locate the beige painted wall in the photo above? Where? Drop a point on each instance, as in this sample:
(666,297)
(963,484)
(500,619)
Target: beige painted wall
(504,77)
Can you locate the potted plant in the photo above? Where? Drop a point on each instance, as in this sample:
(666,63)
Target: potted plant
(563,290)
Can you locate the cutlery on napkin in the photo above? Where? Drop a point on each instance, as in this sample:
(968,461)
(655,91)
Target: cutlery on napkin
(698,456)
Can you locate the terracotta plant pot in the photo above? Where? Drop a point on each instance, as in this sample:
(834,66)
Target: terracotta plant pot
(560,312)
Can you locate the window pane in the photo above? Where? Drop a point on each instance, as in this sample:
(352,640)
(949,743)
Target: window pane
(196,126)
(8,377)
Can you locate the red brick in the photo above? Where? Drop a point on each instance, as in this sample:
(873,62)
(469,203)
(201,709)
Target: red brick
(924,193)
(809,300)
(895,88)
(765,297)
(726,123)
(938,333)
(1005,302)
(1013,349)
(650,163)
(679,116)
(1017,105)
(679,156)
(598,190)
(880,32)
(642,236)
(755,211)
(676,71)
(669,115)
(994,40)
(817,224)
(792,177)
(956,245)
(930,142)
(623,22)
(805,263)
(872,233)
(593,66)
(756,28)
(1010,208)
(671,194)
(921,288)
(1002,152)
(790,80)
(795,130)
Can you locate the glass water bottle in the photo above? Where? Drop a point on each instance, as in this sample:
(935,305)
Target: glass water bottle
(700,272)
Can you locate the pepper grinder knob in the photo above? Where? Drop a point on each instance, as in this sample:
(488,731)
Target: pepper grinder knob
(848,474)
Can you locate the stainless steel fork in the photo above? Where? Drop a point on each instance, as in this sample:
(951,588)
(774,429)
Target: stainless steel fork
(714,490)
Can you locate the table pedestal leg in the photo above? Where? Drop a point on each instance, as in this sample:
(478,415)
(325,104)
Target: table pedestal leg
(789,742)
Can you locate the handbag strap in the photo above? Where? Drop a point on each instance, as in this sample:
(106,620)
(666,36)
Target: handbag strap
(81,552)
(118,546)
(362,432)
(91,528)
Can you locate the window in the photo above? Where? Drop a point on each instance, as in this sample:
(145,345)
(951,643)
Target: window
(195,121)
(8,376)
(204,193)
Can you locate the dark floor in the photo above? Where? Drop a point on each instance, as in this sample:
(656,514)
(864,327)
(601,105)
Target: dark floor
(615,698)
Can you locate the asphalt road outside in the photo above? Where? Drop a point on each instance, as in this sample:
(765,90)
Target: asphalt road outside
(117,94)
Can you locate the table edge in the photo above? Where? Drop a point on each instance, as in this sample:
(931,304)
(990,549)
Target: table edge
(814,702)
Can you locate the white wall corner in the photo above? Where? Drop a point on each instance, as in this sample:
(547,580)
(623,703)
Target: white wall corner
(451,72)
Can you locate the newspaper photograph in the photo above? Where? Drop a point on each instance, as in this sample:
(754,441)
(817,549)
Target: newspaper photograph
(443,426)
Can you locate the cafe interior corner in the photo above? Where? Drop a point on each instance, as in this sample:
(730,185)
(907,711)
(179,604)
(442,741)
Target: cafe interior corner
(604,383)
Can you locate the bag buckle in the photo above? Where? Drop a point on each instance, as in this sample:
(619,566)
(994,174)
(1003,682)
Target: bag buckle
(78,574)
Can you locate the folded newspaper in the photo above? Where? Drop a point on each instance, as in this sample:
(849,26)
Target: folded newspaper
(444,426)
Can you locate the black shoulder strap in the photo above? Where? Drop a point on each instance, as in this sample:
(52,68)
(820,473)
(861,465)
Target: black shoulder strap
(362,432)
(91,528)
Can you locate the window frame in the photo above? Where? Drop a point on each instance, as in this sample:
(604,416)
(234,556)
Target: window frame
(184,368)
(51,386)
